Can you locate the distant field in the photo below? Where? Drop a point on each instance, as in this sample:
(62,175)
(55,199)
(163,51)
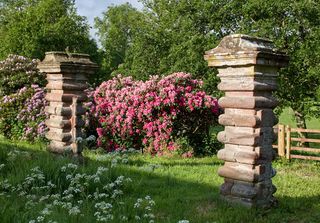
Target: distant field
(287,118)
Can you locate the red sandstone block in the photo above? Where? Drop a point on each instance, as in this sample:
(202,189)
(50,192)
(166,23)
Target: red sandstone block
(64,111)
(238,171)
(240,117)
(267,117)
(68,76)
(246,172)
(239,138)
(239,120)
(65,97)
(58,136)
(63,124)
(238,155)
(66,86)
(246,84)
(247,102)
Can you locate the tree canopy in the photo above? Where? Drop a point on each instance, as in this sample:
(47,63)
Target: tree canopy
(294,26)
(172,36)
(169,36)
(32,27)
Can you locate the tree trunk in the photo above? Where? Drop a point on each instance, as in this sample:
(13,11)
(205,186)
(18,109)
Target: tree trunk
(301,123)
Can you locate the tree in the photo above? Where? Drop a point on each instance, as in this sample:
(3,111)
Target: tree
(172,36)
(32,27)
(294,26)
(116,31)
(168,36)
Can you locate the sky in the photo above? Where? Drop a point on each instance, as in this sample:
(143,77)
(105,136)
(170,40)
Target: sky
(94,8)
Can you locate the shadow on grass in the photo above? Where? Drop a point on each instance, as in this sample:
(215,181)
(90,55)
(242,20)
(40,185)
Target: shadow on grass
(178,196)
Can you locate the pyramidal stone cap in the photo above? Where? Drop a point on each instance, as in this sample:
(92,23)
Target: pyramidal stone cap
(62,62)
(239,50)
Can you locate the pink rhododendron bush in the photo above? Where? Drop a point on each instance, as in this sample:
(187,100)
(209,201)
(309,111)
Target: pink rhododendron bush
(155,115)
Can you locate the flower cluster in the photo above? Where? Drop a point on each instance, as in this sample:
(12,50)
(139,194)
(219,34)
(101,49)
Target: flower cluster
(151,114)
(22,114)
(33,114)
(17,72)
(102,192)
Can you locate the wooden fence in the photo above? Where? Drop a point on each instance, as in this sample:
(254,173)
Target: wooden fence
(285,143)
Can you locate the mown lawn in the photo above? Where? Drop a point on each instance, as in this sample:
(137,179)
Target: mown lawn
(182,189)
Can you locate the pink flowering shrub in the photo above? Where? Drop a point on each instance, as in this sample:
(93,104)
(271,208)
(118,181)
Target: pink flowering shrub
(17,72)
(22,114)
(154,113)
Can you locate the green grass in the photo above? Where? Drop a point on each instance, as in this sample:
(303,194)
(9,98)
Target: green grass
(287,118)
(181,188)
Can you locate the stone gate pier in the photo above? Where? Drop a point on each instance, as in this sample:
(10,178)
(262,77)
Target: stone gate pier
(67,79)
(248,68)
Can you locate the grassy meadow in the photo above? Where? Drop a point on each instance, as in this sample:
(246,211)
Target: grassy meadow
(37,186)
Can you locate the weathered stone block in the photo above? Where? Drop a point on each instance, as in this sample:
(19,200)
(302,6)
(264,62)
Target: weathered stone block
(66,97)
(66,85)
(245,84)
(243,190)
(239,135)
(64,111)
(239,120)
(58,136)
(248,102)
(51,123)
(238,155)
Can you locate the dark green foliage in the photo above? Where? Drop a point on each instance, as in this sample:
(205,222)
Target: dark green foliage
(10,126)
(171,36)
(166,37)
(17,72)
(294,26)
(30,28)
(116,31)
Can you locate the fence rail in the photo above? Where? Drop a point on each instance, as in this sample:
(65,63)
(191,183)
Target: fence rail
(285,140)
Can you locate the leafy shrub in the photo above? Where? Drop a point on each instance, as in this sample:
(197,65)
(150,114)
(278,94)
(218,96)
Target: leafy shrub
(90,117)
(22,114)
(153,114)
(17,72)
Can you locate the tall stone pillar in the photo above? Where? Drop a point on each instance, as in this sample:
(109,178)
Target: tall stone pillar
(67,80)
(248,69)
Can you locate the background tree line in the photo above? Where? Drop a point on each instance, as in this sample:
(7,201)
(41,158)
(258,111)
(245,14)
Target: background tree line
(168,36)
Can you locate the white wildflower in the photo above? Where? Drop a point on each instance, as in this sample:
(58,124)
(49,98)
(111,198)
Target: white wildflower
(74,210)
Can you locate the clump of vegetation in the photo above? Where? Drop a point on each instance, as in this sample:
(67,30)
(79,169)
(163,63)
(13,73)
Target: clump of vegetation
(154,114)
(17,72)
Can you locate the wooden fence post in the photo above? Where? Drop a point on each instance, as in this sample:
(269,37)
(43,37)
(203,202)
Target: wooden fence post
(281,140)
(288,141)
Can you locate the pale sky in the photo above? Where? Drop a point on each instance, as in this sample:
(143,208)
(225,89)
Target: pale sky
(94,8)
